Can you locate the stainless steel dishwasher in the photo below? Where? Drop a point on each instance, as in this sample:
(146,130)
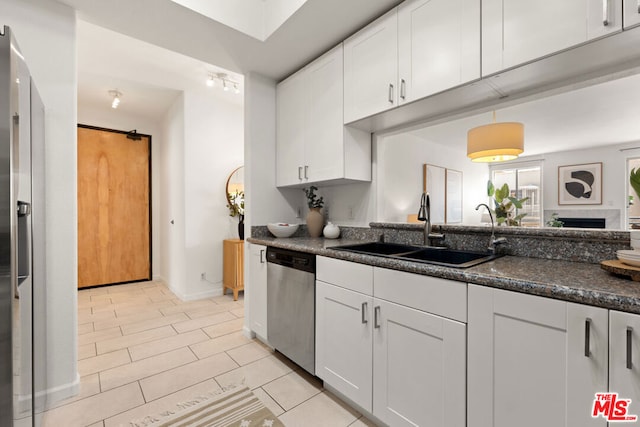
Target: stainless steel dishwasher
(291,305)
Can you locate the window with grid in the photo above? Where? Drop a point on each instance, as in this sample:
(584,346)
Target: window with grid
(524,180)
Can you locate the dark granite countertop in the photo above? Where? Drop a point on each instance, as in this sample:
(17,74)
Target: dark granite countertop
(578,282)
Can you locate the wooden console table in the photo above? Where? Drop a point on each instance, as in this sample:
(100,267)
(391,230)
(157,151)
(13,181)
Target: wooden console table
(233,266)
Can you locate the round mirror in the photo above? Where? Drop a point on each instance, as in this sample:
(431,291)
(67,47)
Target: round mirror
(235,192)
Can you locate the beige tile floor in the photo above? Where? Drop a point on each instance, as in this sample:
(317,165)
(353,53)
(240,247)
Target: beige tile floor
(141,350)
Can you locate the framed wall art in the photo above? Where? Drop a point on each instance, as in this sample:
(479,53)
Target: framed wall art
(580,184)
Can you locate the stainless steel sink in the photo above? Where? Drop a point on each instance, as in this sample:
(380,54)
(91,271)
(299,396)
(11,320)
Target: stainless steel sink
(428,255)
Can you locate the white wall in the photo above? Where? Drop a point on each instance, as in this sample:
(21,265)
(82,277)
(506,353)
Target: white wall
(400,161)
(265,203)
(172,229)
(396,185)
(46,33)
(214,147)
(613,176)
(202,144)
(115,120)
(615,181)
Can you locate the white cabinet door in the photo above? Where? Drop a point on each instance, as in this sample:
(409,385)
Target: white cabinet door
(631,13)
(624,358)
(291,102)
(313,145)
(519,31)
(323,148)
(371,69)
(419,367)
(344,341)
(587,361)
(439,46)
(257,290)
(527,363)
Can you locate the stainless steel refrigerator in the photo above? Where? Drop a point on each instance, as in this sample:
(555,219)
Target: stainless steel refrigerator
(22,241)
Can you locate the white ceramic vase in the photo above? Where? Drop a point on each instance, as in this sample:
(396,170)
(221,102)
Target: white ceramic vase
(331,231)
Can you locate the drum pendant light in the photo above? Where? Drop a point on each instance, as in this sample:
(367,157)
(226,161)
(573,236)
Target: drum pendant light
(495,142)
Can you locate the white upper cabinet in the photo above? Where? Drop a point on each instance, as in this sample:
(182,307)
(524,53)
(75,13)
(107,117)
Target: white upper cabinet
(418,49)
(291,100)
(371,68)
(519,31)
(323,150)
(313,146)
(631,13)
(439,46)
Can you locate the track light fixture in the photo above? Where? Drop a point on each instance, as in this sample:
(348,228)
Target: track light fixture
(115,94)
(227,83)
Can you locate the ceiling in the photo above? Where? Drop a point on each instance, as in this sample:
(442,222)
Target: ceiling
(256,18)
(313,29)
(149,77)
(152,49)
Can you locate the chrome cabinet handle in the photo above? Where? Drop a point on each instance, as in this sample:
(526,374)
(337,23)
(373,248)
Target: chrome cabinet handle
(376,317)
(638,6)
(629,343)
(300,173)
(363,311)
(587,337)
(261,256)
(403,90)
(605,12)
(306,170)
(391,93)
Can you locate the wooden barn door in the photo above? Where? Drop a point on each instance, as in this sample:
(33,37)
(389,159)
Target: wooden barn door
(114,230)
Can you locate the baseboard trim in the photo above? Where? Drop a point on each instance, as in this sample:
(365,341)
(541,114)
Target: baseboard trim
(48,398)
(196,296)
(248,332)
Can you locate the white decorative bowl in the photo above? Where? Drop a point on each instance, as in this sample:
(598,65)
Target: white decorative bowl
(282,229)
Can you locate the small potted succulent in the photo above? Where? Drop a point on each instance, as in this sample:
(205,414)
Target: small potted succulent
(315,219)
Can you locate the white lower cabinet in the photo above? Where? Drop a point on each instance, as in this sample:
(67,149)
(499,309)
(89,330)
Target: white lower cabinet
(421,351)
(402,364)
(257,290)
(344,341)
(419,359)
(624,358)
(534,361)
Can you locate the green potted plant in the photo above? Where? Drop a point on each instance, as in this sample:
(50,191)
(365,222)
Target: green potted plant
(315,219)
(634,180)
(236,208)
(554,221)
(505,205)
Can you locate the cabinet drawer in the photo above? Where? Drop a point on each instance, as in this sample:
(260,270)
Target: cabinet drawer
(446,298)
(349,275)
